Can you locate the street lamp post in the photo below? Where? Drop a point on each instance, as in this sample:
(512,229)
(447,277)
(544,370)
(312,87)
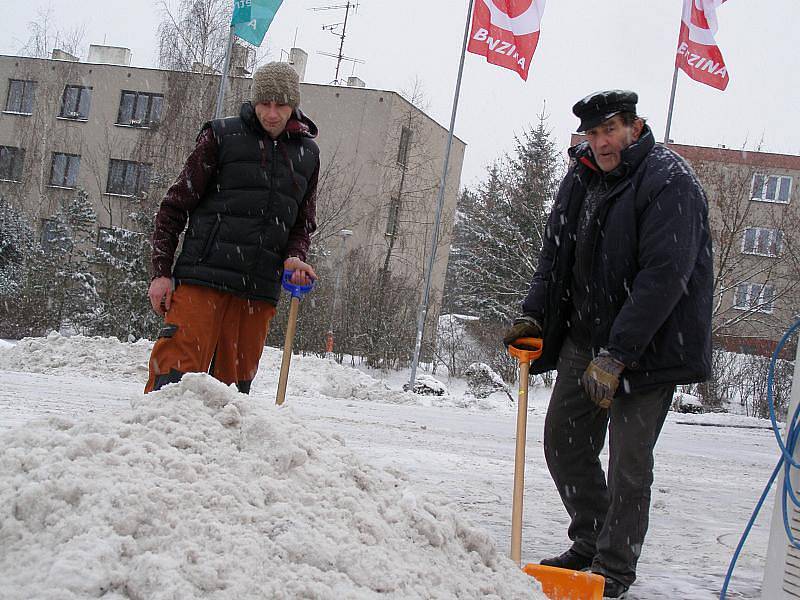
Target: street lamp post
(344,234)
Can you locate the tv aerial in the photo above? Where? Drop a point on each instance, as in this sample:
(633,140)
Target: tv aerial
(340,31)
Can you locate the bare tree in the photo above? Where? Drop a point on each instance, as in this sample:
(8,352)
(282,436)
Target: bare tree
(194,35)
(45,36)
(756,244)
(339,190)
(401,217)
(756,280)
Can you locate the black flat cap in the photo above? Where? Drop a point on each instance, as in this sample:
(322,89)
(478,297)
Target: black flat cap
(601,106)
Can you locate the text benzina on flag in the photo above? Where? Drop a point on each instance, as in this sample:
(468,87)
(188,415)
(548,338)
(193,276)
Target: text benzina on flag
(506,32)
(252,18)
(698,53)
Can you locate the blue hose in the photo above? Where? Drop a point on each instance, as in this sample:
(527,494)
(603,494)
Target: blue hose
(787,461)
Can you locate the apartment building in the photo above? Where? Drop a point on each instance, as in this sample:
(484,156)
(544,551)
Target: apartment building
(755,220)
(120,133)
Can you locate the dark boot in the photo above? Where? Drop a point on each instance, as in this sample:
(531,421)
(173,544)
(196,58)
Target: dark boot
(614,589)
(569,560)
(173,376)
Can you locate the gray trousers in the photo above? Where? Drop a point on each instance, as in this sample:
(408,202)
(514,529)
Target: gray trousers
(608,520)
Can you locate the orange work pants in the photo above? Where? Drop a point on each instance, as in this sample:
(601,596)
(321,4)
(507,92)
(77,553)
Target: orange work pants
(206,330)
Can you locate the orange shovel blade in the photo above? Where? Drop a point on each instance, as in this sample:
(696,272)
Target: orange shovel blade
(565,584)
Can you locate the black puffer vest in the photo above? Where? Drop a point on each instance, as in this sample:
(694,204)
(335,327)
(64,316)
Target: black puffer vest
(236,238)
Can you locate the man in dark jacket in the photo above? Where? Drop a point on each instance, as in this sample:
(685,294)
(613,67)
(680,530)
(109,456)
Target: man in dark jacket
(248,192)
(622,299)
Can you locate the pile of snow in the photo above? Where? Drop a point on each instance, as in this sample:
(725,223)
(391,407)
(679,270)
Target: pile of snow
(710,419)
(105,358)
(97,357)
(687,403)
(428,385)
(312,375)
(200,492)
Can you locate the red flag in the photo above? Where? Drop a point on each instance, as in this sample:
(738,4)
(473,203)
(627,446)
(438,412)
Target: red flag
(506,32)
(698,53)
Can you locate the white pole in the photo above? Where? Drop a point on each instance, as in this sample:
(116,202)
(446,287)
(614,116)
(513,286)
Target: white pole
(423,309)
(218,112)
(780,556)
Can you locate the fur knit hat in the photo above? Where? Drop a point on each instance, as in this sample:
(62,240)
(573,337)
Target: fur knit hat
(276,82)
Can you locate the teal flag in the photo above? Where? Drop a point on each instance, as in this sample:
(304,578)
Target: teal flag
(252,18)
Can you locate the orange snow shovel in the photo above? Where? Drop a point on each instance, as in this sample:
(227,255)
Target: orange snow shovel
(524,350)
(297,291)
(557,584)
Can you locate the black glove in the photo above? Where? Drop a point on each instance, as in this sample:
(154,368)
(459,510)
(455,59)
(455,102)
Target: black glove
(601,379)
(524,326)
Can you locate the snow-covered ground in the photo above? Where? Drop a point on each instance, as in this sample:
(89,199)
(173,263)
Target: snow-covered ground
(352,489)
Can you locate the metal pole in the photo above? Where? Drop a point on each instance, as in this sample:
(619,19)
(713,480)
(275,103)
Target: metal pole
(341,43)
(671,105)
(218,113)
(423,309)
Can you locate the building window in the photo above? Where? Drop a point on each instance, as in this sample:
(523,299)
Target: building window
(394,216)
(76,102)
(755,296)
(139,109)
(127,178)
(64,172)
(402,150)
(772,188)
(11,163)
(54,237)
(762,241)
(20,96)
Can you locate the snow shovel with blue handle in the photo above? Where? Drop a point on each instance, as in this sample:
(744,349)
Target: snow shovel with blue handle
(297,292)
(557,584)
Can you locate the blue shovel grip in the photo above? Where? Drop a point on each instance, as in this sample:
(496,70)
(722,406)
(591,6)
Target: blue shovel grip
(297,291)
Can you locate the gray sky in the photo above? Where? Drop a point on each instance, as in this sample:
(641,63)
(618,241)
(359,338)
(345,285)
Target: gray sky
(585,45)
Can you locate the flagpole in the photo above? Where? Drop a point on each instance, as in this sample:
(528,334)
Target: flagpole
(218,112)
(423,309)
(671,104)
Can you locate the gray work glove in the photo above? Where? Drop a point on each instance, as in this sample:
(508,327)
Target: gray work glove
(601,379)
(524,326)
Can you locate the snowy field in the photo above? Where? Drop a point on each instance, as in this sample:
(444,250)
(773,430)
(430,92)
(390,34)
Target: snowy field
(352,489)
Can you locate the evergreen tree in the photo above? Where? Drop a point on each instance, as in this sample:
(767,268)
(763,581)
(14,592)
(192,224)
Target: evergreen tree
(70,240)
(121,264)
(499,229)
(25,308)
(16,242)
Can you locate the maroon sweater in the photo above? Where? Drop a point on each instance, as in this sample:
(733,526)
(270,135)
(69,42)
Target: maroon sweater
(185,194)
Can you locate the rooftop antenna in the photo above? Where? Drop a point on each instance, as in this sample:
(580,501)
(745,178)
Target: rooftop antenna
(340,31)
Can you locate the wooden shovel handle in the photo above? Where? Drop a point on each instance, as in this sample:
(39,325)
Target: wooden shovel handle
(291,327)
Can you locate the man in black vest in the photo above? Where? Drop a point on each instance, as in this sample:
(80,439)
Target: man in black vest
(248,193)
(622,298)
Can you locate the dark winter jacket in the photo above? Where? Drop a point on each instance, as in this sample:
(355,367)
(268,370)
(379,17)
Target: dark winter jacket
(238,233)
(649,260)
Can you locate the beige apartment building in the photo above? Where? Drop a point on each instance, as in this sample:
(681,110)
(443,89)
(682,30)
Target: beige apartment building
(754,211)
(120,134)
